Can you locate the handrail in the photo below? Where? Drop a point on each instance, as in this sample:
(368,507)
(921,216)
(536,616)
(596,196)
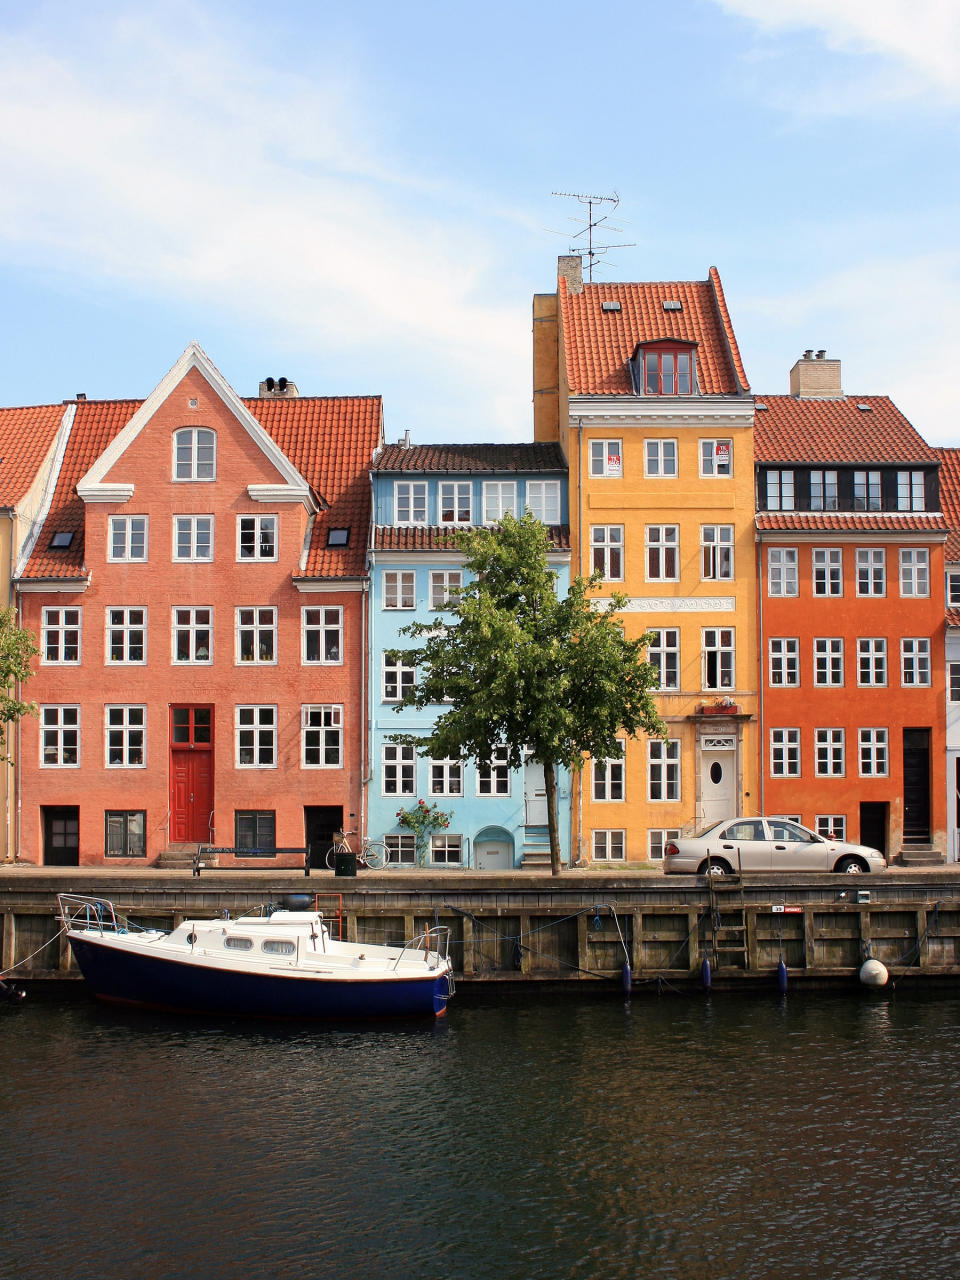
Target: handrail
(78,911)
(441,933)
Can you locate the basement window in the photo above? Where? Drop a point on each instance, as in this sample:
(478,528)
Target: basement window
(61,540)
(338,537)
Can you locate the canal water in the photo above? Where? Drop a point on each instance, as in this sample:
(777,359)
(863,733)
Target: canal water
(527,1135)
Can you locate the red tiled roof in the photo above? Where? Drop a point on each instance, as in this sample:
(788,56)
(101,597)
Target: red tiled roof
(852,522)
(789,429)
(470,457)
(434,538)
(25,438)
(953,617)
(950,499)
(330,440)
(599,344)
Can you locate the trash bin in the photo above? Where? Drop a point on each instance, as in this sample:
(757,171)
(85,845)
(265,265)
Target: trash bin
(345,864)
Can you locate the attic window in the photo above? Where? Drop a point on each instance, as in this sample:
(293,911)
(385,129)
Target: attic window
(61,540)
(865,408)
(609,306)
(671,304)
(663,370)
(338,537)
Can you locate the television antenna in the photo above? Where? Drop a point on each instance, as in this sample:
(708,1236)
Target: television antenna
(592,252)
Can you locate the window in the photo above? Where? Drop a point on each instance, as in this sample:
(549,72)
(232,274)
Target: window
(785,753)
(832,826)
(192,635)
(321,737)
(194,454)
(256,737)
(660,458)
(953,589)
(828,661)
(718,657)
(126,636)
(60,737)
(780,491)
(915,661)
(399,589)
(662,546)
(657,840)
(782,571)
(499,498)
(193,537)
(543,500)
(255,829)
(125,833)
(663,769)
(256,537)
(668,373)
(830,753)
(493,779)
(410,502)
(606,457)
(338,537)
(445,587)
(61,636)
(446,778)
(398,678)
(401,848)
(609,846)
(910,491)
(664,654)
(257,635)
(447,850)
(125,737)
(823,491)
(873,753)
(716,457)
(399,772)
(606,550)
(828,571)
(953,678)
(914,572)
(608,779)
(455,502)
(128,538)
(784,662)
(871,660)
(866,491)
(716,552)
(871,571)
(323,634)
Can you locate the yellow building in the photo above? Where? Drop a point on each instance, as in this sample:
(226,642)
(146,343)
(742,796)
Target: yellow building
(644,387)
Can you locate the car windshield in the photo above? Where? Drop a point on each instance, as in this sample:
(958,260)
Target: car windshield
(781,830)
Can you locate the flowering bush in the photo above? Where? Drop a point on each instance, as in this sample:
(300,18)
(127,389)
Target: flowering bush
(423,819)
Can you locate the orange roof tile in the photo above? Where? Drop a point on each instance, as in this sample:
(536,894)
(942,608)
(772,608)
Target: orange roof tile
(953,617)
(889,522)
(950,499)
(789,429)
(599,344)
(25,439)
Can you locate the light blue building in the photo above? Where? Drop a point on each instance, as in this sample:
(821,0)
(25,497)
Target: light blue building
(420,494)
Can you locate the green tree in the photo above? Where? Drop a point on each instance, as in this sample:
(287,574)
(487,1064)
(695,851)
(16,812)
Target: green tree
(522,668)
(17,647)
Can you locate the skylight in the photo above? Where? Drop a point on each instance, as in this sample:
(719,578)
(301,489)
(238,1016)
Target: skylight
(610,306)
(338,537)
(671,304)
(61,539)
(865,408)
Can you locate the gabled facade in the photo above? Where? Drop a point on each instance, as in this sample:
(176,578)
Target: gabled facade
(422,495)
(643,387)
(850,535)
(198,587)
(950,501)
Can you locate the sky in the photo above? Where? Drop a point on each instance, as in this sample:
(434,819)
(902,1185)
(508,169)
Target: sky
(361,200)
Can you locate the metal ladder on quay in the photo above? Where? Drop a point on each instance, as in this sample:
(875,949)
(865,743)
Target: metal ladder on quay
(728,922)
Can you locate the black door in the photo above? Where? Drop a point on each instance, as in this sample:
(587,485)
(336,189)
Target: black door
(320,822)
(873,825)
(61,835)
(916,786)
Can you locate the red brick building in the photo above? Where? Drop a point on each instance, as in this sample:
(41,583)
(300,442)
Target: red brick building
(198,589)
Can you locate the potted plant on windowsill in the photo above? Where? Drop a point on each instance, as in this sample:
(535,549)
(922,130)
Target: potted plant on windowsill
(721,707)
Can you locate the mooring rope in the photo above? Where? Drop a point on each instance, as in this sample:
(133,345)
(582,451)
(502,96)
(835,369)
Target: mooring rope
(42,947)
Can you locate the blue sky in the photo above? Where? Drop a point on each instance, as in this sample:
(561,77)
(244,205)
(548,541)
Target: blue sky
(362,200)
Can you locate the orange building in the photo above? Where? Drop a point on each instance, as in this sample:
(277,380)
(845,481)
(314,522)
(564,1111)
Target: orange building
(198,588)
(850,538)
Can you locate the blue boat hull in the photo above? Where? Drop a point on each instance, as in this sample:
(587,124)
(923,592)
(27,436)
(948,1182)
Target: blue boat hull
(181,987)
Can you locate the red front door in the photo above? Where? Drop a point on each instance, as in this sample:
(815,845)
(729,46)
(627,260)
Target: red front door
(191,774)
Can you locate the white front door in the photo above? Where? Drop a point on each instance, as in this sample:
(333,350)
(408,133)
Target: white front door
(718,781)
(494,855)
(534,794)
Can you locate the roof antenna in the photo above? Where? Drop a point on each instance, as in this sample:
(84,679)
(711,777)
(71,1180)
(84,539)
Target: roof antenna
(593,251)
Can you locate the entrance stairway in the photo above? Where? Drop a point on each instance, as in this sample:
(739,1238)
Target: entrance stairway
(179,857)
(919,854)
(536,849)
(727,923)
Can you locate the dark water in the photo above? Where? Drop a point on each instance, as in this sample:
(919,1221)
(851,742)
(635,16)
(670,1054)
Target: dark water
(525,1136)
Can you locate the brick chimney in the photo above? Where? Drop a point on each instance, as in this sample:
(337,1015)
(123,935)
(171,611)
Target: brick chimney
(570,268)
(814,377)
(278,389)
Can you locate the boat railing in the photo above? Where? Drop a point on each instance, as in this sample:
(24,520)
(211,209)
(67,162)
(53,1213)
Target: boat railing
(435,941)
(80,912)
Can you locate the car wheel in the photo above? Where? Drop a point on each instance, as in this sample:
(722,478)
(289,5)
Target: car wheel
(714,867)
(851,866)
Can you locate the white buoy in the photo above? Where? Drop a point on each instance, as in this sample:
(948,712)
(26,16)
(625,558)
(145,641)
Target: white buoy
(873,973)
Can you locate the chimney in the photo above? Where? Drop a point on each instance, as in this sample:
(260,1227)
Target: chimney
(278,389)
(570,267)
(405,442)
(816,377)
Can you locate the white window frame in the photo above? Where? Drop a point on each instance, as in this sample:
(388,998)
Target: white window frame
(657,840)
(128,539)
(783,671)
(785,753)
(411,496)
(446,849)
(609,784)
(124,625)
(953,681)
(606,459)
(184,620)
(192,467)
(321,735)
(60,731)
(191,527)
(399,589)
(543,500)
(398,769)
(61,632)
(609,844)
(824,491)
(493,778)
(666,643)
(832,826)
(499,499)
(258,625)
(914,572)
(446,777)
(828,662)
(830,753)
(873,752)
(660,459)
(953,589)
(397,678)
(445,587)
(781,490)
(663,770)
(716,553)
(255,733)
(867,491)
(125,731)
(712,464)
(455,503)
(252,531)
(871,571)
(915,662)
(911,491)
(827,567)
(872,662)
(783,578)
(321,625)
(606,551)
(661,552)
(718,658)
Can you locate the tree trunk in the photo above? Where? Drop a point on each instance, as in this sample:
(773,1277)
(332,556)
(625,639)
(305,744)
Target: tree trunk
(550,785)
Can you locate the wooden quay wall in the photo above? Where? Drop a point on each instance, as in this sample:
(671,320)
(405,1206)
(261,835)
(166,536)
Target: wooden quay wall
(528,927)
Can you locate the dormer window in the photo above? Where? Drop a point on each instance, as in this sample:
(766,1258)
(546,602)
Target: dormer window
(194,454)
(665,369)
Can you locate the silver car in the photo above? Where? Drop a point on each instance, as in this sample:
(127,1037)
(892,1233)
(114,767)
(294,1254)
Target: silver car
(765,844)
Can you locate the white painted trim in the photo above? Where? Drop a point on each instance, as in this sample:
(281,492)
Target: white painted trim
(108,493)
(317,586)
(42,586)
(281,493)
(598,411)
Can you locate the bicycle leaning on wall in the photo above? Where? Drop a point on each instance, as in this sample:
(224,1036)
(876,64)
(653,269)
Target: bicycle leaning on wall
(372,853)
